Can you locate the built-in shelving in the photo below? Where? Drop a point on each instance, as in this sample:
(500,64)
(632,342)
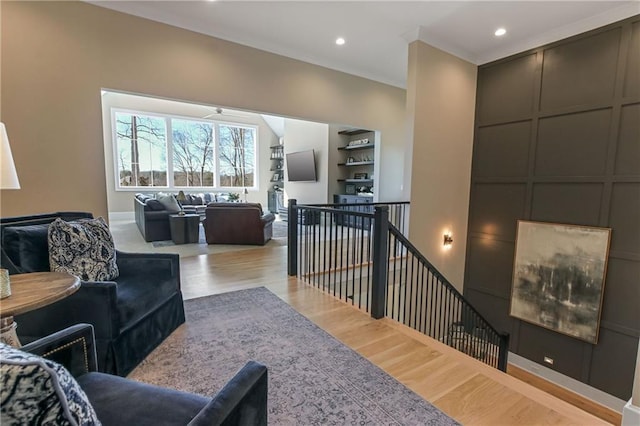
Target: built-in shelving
(354,147)
(361,181)
(275,194)
(353,132)
(357,161)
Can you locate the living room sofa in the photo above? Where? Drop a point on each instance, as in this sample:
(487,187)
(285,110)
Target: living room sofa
(131,314)
(119,401)
(237,223)
(152,218)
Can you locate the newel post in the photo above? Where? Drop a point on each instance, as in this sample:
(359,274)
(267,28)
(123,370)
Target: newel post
(503,353)
(380,261)
(292,234)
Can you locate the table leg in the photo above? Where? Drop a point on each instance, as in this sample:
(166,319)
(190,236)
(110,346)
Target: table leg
(8,333)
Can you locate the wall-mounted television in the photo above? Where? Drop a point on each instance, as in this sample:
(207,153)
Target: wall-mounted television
(301,166)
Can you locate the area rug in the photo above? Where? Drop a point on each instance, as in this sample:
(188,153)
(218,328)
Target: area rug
(313,378)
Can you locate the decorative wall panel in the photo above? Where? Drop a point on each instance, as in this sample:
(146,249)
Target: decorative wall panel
(497,142)
(575,203)
(628,152)
(631,81)
(573,157)
(580,71)
(619,287)
(507,90)
(573,144)
(611,362)
(625,217)
(496,209)
(567,353)
(490,266)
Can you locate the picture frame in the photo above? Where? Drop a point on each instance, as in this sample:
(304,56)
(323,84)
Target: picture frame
(558,279)
(276,177)
(350,189)
(360,176)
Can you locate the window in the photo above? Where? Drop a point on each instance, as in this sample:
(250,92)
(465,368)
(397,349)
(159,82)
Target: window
(237,156)
(193,163)
(177,152)
(141,150)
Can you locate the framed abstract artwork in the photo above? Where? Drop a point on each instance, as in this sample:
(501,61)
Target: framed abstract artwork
(558,277)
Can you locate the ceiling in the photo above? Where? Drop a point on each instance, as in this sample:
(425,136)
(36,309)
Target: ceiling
(377,32)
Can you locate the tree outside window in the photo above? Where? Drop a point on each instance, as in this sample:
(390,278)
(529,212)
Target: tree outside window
(141,145)
(193,160)
(237,156)
(189,156)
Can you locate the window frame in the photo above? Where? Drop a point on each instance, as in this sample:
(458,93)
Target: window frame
(169,140)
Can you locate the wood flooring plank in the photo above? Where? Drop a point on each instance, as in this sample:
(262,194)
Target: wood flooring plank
(467,390)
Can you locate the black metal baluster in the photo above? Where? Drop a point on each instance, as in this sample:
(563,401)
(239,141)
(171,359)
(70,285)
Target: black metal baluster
(423,298)
(410,281)
(361,269)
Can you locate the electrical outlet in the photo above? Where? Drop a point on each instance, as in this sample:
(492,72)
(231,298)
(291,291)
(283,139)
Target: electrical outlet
(548,360)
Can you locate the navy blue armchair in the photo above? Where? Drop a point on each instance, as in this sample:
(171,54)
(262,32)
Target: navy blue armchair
(131,315)
(120,401)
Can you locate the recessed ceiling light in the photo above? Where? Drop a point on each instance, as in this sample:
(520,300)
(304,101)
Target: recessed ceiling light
(340,41)
(500,32)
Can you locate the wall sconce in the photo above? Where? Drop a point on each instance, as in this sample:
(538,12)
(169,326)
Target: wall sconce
(448,240)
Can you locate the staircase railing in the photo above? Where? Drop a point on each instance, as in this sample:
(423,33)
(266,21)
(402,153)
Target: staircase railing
(359,254)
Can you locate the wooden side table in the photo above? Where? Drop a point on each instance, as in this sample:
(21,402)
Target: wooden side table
(32,291)
(185,228)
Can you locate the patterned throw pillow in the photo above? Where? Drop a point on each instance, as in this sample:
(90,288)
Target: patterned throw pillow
(35,390)
(83,248)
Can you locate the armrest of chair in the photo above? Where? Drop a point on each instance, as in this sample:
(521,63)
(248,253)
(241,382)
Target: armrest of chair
(167,264)
(73,347)
(242,401)
(268,218)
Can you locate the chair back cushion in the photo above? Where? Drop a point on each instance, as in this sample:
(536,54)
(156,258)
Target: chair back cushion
(35,390)
(83,248)
(24,240)
(27,247)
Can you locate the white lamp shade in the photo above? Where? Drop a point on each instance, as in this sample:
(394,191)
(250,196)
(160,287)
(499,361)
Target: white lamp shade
(8,175)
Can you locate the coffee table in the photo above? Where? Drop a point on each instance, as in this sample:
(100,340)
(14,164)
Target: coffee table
(185,228)
(32,291)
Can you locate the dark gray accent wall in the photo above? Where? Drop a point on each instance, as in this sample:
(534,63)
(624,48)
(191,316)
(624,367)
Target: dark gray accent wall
(557,139)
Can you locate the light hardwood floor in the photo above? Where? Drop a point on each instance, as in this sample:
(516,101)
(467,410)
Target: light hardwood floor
(465,389)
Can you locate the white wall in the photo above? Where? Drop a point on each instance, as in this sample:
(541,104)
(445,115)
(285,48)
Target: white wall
(122,201)
(301,136)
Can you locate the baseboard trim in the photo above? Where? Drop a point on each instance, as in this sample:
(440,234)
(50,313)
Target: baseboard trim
(593,401)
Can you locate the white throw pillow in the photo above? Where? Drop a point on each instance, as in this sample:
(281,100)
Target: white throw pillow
(169,202)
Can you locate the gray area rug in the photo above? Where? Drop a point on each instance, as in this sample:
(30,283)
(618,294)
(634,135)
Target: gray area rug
(313,378)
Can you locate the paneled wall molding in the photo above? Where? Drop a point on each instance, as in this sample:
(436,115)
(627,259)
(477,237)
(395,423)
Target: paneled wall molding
(557,139)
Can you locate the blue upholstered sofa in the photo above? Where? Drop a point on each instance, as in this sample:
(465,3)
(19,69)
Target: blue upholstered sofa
(131,315)
(119,401)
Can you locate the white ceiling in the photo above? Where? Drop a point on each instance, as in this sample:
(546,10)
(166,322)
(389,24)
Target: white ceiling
(377,32)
